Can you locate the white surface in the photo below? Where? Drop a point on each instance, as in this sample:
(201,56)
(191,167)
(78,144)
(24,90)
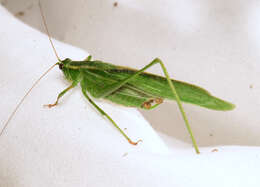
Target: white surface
(72,145)
(214,44)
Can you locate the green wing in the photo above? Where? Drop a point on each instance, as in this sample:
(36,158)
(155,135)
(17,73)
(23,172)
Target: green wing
(145,87)
(127,95)
(159,87)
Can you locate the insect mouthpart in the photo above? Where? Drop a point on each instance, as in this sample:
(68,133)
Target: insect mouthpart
(61,66)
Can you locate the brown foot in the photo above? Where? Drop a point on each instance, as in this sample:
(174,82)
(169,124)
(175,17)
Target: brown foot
(214,150)
(51,105)
(158,100)
(147,104)
(134,143)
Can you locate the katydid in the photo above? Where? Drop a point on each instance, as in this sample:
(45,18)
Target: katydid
(128,87)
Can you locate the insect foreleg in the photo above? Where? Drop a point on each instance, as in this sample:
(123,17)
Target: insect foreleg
(102,112)
(61,94)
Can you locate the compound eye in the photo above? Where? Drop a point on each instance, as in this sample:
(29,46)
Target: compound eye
(61,66)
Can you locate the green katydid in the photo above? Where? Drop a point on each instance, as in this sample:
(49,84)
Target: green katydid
(129,87)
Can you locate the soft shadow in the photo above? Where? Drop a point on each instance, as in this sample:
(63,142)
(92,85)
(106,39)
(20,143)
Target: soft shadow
(164,40)
(209,127)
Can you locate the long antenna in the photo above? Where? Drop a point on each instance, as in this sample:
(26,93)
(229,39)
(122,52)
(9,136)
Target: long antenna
(48,33)
(38,80)
(22,100)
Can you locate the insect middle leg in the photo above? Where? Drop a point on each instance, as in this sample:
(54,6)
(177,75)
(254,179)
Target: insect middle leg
(102,112)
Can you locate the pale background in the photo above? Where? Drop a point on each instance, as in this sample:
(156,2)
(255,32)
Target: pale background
(208,43)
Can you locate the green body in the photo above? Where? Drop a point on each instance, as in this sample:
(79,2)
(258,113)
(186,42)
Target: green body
(134,88)
(129,87)
(96,76)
